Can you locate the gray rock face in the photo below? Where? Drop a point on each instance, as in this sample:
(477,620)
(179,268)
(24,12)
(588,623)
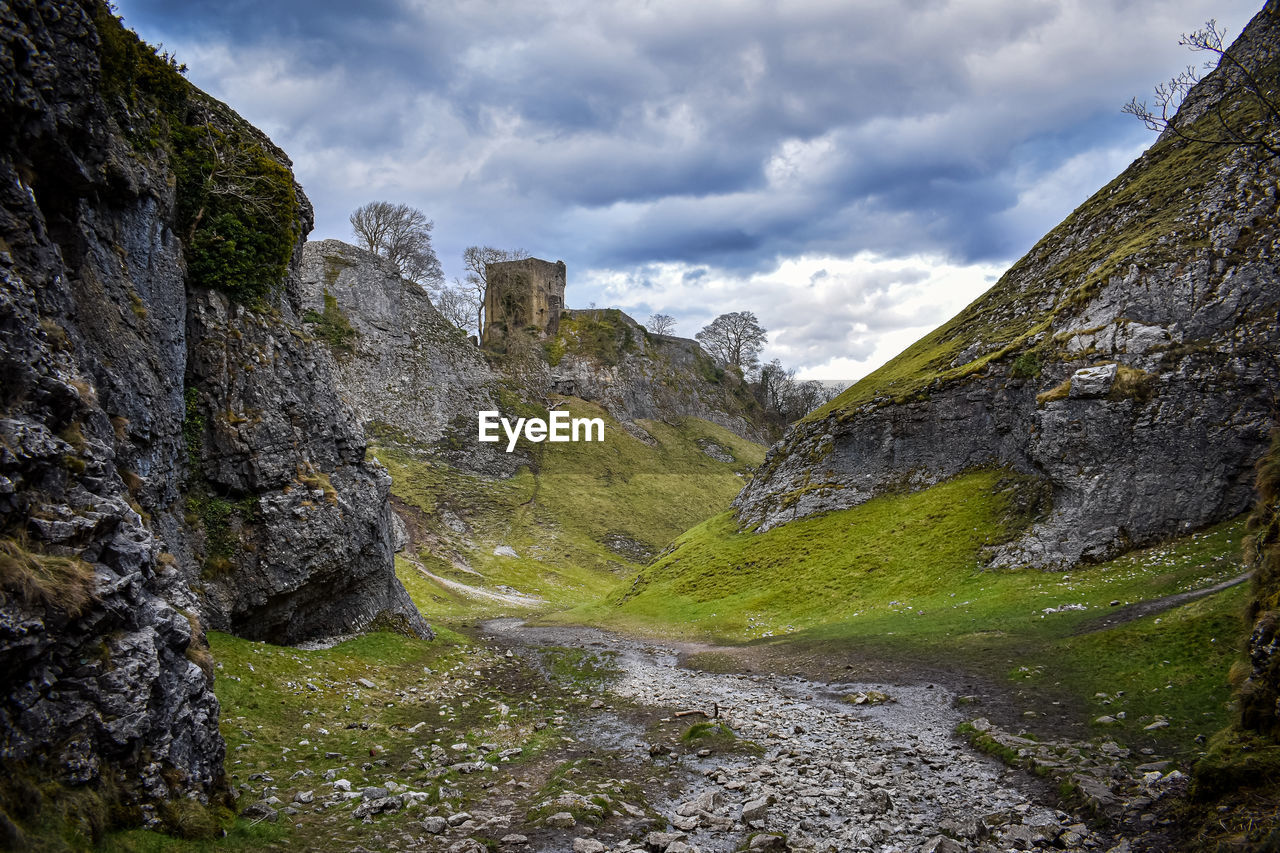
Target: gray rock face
(316,536)
(409,368)
(408,372)
(146,426)
(1170,363)
(100,673)
(1092,381)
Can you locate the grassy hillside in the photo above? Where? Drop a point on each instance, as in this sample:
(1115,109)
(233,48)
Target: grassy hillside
(581,518)
(1147,216)
(901,578)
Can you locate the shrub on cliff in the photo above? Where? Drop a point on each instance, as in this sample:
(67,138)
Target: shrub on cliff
(237,205)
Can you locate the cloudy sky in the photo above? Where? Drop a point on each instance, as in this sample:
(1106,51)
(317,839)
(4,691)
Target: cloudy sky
(853,171)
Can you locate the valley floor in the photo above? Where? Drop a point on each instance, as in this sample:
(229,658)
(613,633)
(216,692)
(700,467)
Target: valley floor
(858,669)
(558,738)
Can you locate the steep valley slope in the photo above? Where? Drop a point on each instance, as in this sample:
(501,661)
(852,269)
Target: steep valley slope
(1127,362)
(173,453)
(546,524)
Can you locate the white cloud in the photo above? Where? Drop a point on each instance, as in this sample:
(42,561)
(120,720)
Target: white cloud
(831,317)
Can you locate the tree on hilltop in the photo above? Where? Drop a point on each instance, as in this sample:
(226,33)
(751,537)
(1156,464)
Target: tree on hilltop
(734,339)
(661,324)
(1233,86)
(402,235)
(457,303)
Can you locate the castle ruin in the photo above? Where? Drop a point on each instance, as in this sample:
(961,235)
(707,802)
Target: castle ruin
(524,294)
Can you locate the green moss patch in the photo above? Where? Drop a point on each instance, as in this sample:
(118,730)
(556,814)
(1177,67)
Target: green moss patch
(602,335)
(332,326)
(718,738)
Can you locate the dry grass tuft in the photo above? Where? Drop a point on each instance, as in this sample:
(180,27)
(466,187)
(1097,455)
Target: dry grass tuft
(64,583)
(1058,392)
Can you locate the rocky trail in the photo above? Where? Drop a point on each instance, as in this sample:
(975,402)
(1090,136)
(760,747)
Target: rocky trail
(1159,605)
(554,739)
(514,598)
(790,764)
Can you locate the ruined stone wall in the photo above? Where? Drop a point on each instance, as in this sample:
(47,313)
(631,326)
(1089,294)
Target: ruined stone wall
(524,293)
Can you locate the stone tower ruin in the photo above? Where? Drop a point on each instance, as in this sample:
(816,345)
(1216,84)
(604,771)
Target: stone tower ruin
(522,295)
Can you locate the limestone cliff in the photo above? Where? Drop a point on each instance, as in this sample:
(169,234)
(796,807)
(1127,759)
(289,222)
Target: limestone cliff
(403,368)
(293,525)
(399,364)
(172,451)
(1128,360)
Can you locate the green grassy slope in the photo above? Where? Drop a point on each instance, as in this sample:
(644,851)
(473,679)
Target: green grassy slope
(901,578)
(375,708)
(585,516)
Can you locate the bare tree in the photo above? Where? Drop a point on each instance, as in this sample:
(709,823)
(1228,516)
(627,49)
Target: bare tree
(661,324)
(230,172)
(1232,82)
(734,339)
(475,259)
(457,303)
(402,235)
(774,385)
(804,397)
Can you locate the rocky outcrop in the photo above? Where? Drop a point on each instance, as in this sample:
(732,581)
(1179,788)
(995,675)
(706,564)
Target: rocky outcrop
(167,456)
(100,645)
(399,364)
(409,373)
(604,356)
(294,526)
(1127,361)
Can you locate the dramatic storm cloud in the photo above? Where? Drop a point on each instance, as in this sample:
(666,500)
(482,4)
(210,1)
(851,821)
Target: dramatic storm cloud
(852,172)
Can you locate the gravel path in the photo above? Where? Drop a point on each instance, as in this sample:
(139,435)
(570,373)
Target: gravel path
(831,775)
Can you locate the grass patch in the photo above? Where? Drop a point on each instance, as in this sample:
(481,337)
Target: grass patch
(602,335)
(290,715)
(580,519)
(886,555)
(719,738)
(1132,383)
(580,668)
(45,580)
(241,835)
(332,326)
(1237,759)
(985,743)
(1170,666)
(1058,392)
